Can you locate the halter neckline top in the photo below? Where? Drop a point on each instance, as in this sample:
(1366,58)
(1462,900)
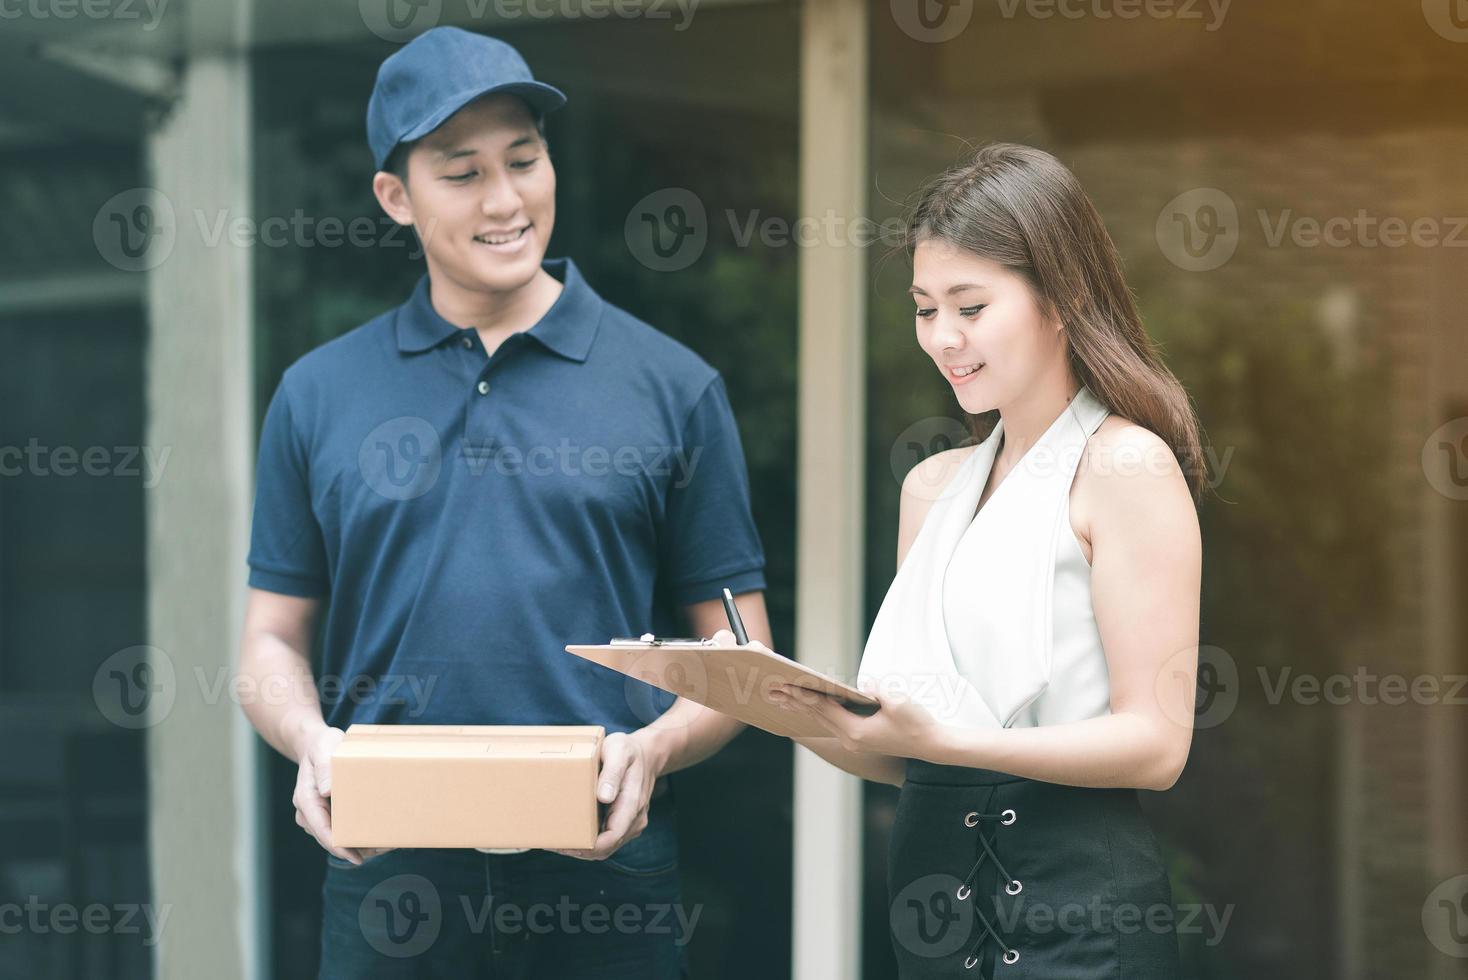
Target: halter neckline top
(988,622)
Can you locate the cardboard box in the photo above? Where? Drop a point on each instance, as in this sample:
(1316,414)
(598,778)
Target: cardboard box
(465,786)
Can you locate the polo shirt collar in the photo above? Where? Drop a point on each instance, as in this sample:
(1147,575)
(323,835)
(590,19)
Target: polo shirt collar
(567,328)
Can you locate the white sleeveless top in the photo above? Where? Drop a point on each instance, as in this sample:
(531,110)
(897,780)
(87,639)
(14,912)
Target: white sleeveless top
(988,622)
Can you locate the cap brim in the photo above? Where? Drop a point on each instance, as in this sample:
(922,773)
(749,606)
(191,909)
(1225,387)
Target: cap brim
(541,97)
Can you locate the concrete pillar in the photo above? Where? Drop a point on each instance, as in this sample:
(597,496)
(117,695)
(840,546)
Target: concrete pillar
(831,475)
(201,754)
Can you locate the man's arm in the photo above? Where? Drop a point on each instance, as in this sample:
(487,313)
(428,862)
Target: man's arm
(708,534)
(278,693)
(687,733)
(684,735)
(275,670)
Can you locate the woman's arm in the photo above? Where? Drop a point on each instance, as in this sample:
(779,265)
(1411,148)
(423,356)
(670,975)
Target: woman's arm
(1145,583)
(877,767)
(868,765)
(923,484)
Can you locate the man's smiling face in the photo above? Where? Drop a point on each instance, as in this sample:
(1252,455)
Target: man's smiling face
(482,195)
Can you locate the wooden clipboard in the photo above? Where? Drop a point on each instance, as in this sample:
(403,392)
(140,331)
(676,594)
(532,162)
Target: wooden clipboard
(733,680)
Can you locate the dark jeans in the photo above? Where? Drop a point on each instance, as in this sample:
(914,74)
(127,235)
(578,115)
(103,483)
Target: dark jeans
(463,913)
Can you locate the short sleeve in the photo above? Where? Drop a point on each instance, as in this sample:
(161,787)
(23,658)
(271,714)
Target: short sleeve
(287,554)
(710,542)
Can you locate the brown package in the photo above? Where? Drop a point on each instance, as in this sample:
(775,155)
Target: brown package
(465,786)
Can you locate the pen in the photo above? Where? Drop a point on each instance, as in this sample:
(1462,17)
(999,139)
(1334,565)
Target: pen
(735,623)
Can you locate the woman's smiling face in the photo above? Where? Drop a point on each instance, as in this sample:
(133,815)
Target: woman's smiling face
(972,313)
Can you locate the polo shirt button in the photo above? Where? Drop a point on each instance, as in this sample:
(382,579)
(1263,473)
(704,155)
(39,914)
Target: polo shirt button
(482,387)
(468,344)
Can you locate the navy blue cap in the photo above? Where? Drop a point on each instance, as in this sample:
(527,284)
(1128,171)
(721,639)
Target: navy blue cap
(435,75)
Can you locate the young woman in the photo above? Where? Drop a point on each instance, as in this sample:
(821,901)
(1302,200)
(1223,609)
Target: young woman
(1035,656)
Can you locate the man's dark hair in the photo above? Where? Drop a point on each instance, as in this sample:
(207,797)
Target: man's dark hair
(397,161)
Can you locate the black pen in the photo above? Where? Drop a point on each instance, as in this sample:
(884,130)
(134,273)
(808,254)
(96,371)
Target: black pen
(735,623)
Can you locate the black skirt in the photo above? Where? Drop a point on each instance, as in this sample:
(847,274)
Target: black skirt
(995,876)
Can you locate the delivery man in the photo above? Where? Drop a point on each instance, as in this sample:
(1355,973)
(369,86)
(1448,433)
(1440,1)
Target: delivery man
(502,465)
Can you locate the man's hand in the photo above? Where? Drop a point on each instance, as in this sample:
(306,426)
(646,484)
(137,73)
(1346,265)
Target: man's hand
(313,792)
(628,771)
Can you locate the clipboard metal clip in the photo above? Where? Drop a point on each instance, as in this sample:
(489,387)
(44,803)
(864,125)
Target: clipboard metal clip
(648,640)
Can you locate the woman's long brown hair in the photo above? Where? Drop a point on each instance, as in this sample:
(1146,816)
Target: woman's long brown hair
(1022,208)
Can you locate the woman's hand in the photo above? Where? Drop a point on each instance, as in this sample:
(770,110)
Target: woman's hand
(899,727)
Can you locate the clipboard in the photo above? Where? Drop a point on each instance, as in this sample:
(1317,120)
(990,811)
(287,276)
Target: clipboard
(732,680)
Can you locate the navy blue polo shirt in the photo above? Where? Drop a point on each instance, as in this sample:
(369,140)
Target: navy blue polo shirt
(470,515)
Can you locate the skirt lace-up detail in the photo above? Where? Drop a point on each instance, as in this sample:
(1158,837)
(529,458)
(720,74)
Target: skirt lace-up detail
(979,831)
(1013,886)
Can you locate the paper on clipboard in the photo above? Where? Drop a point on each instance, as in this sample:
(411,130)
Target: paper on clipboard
(735,681)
